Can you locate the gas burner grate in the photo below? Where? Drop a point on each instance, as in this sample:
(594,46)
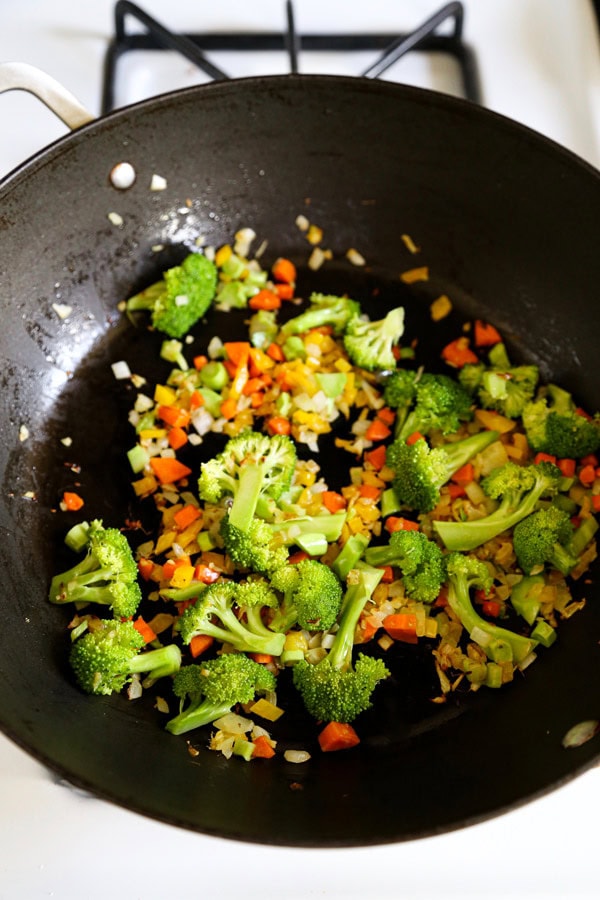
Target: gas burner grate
(195,46)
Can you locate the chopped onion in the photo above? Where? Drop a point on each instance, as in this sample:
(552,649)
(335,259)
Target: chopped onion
(581,733)
(296,756)
(158,183)
(121,370)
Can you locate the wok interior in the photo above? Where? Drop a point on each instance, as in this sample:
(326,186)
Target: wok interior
(504,222)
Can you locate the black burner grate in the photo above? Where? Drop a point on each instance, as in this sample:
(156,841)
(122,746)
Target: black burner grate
(195,46)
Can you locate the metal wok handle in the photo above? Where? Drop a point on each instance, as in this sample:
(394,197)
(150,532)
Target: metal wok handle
(23,77)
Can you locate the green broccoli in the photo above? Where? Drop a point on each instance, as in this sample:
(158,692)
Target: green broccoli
(399,391)
(324,309)
(105,657)
(214,614)
(250,467)
(335,689)
(420,472)
(554,425)
(211,690)
(252,596)
(440,404)
(312,596)
(518,490)
(500,644)
(257,548)
(420,560)
(500,385)
(183,295)
(370,345)
(544,537)
(107,574)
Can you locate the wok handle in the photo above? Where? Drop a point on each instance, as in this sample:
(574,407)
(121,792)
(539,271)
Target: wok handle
(23,77)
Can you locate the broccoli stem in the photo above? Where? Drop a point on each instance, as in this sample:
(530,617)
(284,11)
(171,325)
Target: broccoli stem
(355,599)
(583,535)
(251,480)
(159,662)
(203,714)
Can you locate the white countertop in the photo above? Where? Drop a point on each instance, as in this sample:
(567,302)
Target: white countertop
(57,842)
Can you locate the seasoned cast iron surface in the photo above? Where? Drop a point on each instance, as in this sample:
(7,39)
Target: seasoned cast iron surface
(506,224)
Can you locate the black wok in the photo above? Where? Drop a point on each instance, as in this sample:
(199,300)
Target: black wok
(507,223)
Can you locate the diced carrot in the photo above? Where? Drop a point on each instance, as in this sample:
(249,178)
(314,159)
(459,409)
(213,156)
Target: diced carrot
(590,460)
(275,351)
(441,599)
(297,557)
(369,491)
(284,270)
(284,291)
(200,361)
(253,385)
(402,627)
(278,425)
(145,568)
(333,501)
(205,574)
(464,475)
(263,658)
(169,470)
(455,490)
(386,415)
(567,467)
(257,399)
(544,457)
(485,334)
(262,748)
(237,352)
(338,736)
(376,457)
(399,523)
(414,437)
(142,627)
(177,438)
(596,502)
(200,643)
(174,416)
(196,400)
(186,515)
(229,408)
(587,475)
(72,501)
(458,353)
(265,299)
(168,569)
(388,574)
(583,412)
(491,608)
(377,431)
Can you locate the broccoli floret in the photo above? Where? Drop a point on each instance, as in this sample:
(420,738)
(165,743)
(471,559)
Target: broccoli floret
(500,644)
(250,467)
(553,425)
(108,654)
(252,597)
(399,393)
(181,297)
(335,689)
(107,574)
(500,385)
(544,537)
(214,614)
(518,490)
(324,309)
(420,472)
(256,548)
(370,345)
(420,560)
(211,690)
(440,404)
(312,596)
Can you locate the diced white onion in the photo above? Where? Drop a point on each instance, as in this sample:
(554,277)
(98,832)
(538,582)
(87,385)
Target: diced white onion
(121,370)
(62,310)
(158,183)
(296,756)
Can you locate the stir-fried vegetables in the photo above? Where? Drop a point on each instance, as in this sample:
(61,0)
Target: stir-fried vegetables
(464,508)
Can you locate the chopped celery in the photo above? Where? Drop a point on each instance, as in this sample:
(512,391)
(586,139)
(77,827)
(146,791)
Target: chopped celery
(332,383)
(243,748)
(543,633)
(525,597)
(138,458)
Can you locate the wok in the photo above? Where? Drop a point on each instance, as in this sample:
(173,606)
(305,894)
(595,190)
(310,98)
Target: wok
(507,223)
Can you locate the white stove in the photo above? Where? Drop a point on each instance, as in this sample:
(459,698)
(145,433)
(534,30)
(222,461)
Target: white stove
(539,63)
